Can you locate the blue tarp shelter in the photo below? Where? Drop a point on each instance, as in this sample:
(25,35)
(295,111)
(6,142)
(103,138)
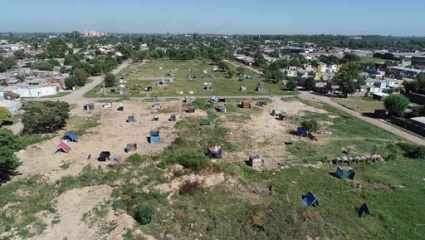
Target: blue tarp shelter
(302,131)
(214,98)
(131,119)
(154,137)
(215,152)
(310,200)
(363,210)
(70,136)
(160,81)
(248,77)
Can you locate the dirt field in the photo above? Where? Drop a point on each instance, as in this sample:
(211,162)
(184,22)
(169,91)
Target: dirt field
(265,135)
(112,134)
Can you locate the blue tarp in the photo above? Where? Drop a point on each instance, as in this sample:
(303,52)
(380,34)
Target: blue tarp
(71,136)
(155,139)
(160,81)
(214,98)
(310,200)
(131,119)
(301,131)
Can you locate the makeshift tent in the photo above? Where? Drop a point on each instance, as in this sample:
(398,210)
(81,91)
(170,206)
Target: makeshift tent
(207,86)
(70,136)
(131,147)
(190,110)
(120,107)
(245,104)
(221,99)
(154,137)
(221,108)
(172,118)
(310,200)
(255,161)
(259,88)
(89,106)
(131,119)
(155,118)
(148,89)
(215,152)
(248,77)
(161,82)
(243,88)
(302,131)
(345,172)
(107,104)
(277,112)
(63,147)
(103,156)
(364,209)
(214,99)
(205,121)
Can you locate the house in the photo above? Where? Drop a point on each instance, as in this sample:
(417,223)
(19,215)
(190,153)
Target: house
(419,121)
(36,90)
(11,96)
(13,106)
(379,95)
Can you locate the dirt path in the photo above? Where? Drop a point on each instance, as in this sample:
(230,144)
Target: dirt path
(16,128)
(245,66)
(378,123)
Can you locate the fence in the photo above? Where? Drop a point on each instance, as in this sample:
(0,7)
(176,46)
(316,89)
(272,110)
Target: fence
(411,126)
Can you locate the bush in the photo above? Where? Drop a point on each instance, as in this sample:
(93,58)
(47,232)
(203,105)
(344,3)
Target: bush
(312,125)
(9,144)
(145,214)
(109,80)
(396,104)
(45,117)
(413,151)
(5,115)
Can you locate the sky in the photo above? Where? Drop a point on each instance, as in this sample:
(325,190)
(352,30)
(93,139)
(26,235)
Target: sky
(345,17)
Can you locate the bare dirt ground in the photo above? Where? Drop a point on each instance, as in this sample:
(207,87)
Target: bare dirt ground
(112,134)
(265,135)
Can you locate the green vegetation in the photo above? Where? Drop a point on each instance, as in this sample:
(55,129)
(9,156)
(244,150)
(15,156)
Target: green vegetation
(183,73)
(311,124)
(45,117)
(371,60)
(396,104)
(8,145)
(145,214)
(5,116)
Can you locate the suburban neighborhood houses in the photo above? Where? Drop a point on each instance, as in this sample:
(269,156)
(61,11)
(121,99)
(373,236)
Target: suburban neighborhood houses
(211,136)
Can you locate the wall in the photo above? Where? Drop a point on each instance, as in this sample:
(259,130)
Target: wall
(415,98)
(36,92)
(411,126)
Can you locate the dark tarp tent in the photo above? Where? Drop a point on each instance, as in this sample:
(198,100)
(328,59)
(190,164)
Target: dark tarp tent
(70,136)
(215,152)
(302,131)
(131,147)
(310,200)
(345,172)
(172,118)
(89,106)
(63,147)
(103,156)
(364,209)
(205,121)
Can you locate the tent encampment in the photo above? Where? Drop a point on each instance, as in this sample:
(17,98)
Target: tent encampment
(89,106)
(70,136)
(172,118)
(131,147)
(255,161)
(131,119)
(344,172)
(154,137)
(120,107)
(103,156)
(160,81)
(107,104)
(190,110)
(245,104)
(310,200)
(215,152)
(205,121)
(63,147)
(364,209)
(214,99)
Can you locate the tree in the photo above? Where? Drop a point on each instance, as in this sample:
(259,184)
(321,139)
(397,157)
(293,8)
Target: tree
(273,75)
(145,214)
(45,117)
(291,84)
(311,124)
(19,54)
(274,54)
(109,80)
(346,78)
(70,82)
(57,48)
(223,65)
(231,73)
(80,73)
(396,104)
(5,115)
(96,70)
(54,62)
(9,144)
(240,70)
(44,66)
(3,67)
(309,83)
(350,57)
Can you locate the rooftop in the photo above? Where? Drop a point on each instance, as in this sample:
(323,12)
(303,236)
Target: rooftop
(419,119)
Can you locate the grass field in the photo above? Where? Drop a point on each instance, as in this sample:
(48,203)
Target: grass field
(371,60)
(239,208)
(360,105)
(136,76)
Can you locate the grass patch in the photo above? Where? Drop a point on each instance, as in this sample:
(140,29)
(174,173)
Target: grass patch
(30,139)
(80,125)
(360,105)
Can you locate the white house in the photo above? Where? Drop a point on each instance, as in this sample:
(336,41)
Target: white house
(36,90)
(13,106)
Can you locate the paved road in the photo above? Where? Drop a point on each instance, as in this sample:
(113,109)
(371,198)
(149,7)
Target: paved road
(376,122)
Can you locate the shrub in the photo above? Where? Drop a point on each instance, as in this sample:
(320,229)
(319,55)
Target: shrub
(189,187)
(413,151)
(396,104)
(145,214)
(45,117)
(5,115)
(312,125)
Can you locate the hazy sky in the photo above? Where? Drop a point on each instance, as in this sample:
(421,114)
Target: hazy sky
(351,17)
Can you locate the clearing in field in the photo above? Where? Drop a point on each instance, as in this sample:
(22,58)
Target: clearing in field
(184,78)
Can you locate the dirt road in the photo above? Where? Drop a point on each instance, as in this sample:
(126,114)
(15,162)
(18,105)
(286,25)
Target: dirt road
(245,66)
(376,122)
(89,86)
